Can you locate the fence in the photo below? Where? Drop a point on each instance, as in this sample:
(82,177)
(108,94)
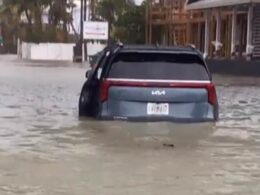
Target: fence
(46,51)
(53,51)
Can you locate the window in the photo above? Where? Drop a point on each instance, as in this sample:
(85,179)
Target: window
(163,66)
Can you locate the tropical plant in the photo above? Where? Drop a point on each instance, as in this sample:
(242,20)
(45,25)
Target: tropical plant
(25,18)
(126,20)
(112,10)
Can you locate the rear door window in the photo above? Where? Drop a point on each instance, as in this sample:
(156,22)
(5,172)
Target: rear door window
(158,66)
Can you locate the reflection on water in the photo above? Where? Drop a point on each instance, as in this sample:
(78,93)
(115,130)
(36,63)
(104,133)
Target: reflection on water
(46,149)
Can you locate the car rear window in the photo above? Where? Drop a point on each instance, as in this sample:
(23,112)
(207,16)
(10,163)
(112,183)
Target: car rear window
(158,66)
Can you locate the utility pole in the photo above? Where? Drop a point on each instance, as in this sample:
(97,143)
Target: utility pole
(147,22)
(81,29)
(85,42)
(92,7)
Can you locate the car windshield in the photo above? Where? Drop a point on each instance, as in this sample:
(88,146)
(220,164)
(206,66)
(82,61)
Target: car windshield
(159,66)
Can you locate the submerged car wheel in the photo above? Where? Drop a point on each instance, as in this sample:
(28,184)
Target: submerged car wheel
(84,102)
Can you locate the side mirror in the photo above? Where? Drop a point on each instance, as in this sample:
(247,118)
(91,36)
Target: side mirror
(88,73)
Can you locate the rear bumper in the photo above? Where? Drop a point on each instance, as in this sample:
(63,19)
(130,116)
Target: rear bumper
(158,119)
(179,113)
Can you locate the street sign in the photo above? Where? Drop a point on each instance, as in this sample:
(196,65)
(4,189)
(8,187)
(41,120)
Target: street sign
(95,30)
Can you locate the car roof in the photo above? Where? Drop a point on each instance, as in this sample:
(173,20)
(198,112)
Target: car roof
(159,49)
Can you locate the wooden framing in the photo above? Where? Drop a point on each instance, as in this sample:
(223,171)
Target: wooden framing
(170,16)
(234,33)
(217,32)
(249,48)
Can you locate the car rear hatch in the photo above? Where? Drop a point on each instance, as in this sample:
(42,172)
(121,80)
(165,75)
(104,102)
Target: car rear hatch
(158,86)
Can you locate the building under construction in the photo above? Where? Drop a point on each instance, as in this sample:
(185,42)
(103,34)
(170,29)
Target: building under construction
(219,28)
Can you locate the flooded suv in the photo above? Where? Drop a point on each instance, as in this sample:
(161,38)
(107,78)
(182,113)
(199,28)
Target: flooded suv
(150,83)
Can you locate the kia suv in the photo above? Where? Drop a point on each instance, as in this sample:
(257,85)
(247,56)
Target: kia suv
(149,83)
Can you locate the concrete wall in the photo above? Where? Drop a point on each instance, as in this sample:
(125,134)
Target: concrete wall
(46,51)
(25,51)
(234,67)
(53,51)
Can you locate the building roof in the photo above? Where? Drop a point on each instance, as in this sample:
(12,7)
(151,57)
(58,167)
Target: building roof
(204,4)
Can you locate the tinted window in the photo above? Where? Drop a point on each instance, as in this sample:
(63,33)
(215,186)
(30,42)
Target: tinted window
(158,66)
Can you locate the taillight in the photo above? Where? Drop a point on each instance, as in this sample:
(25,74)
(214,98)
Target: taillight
(212,96)
(104,87)
(106,84)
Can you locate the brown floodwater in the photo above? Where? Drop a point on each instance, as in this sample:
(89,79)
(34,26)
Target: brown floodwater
(46,150)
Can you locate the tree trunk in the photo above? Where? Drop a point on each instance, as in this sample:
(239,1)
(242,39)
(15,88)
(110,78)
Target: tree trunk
(38,16)
(29,19)
(65,21)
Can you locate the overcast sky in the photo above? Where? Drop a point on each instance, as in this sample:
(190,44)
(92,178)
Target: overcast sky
(138,2)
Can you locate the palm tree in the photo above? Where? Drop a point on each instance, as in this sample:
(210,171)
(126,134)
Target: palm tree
(59,17)
(111,10)
(26,16)
(10,22)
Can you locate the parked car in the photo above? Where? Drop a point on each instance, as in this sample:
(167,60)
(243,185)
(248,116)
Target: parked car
(150,83)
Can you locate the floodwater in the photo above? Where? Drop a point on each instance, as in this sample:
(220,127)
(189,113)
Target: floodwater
(46,149)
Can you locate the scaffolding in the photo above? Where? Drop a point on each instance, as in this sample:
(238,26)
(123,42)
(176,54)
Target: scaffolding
(172,20)
(222,32)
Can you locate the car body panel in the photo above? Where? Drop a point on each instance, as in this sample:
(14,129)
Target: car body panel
(128,100)
(159,95)
(185,104)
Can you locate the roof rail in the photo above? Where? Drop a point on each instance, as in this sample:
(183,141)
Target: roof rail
(112,46)
(120,44)
(192,46)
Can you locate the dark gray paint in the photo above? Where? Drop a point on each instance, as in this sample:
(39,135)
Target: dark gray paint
(184,104)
